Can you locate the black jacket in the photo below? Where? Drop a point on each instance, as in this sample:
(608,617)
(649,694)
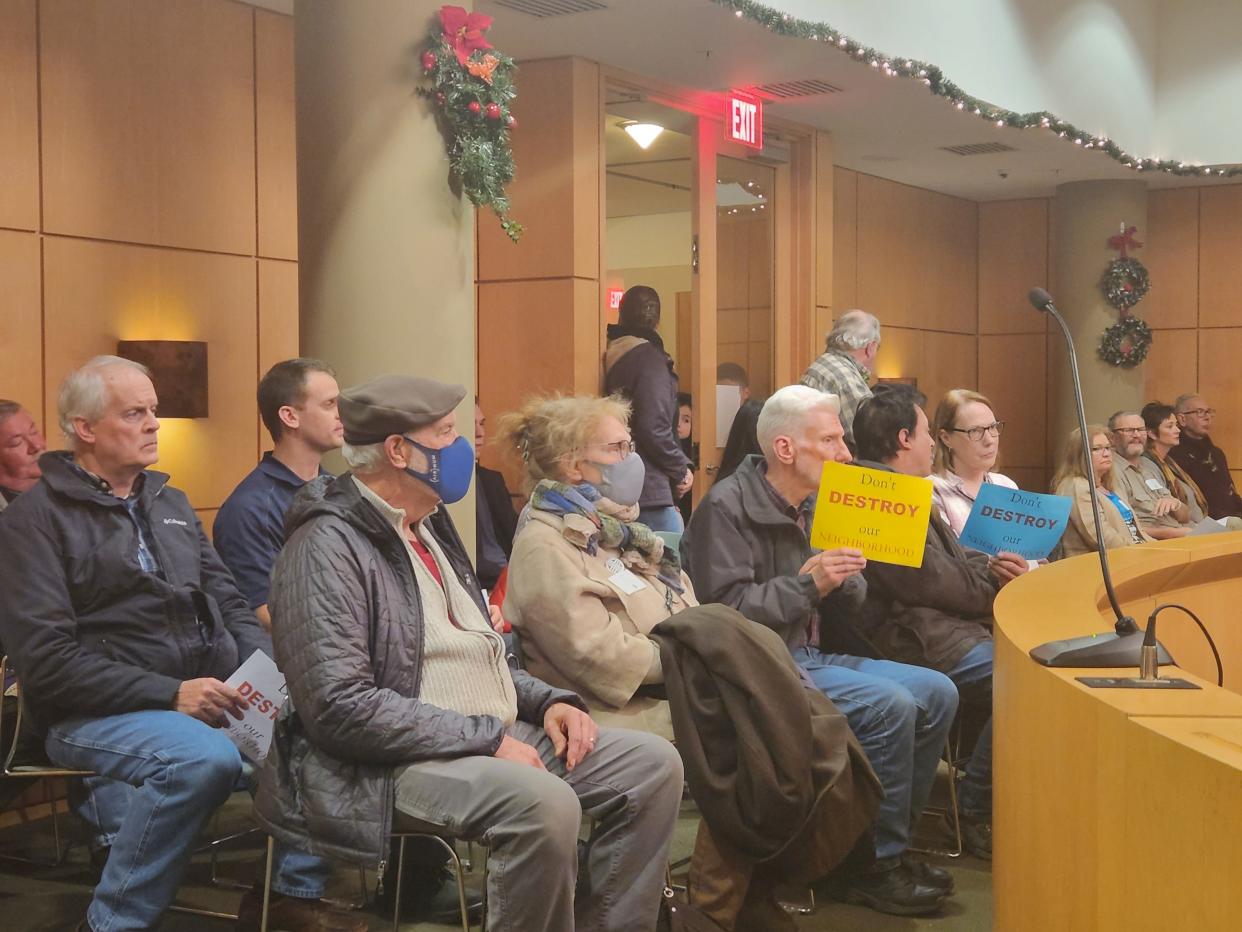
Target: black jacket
(91,632)
(349,639)
(741,550)
(637,367)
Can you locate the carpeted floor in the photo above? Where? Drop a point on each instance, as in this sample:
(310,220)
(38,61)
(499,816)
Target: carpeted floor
(54,899)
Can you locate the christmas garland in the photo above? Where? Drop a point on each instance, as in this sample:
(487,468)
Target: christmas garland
(934,79)
(1126,343)
(1125,283)
(472,90)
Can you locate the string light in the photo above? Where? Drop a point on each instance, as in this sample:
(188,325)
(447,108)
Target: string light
(935,81)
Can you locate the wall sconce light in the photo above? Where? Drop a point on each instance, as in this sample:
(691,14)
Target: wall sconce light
(178,371)
(642,133)
(910,380)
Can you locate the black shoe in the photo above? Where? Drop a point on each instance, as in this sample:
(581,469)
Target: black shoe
(928,875)
(976,836)
(430,895)
(889,887)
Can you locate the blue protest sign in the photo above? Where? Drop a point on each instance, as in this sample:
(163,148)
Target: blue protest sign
(1026,523)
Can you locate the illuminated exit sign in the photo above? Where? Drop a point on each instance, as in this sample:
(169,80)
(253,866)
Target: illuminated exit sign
(614,298)
(744,119)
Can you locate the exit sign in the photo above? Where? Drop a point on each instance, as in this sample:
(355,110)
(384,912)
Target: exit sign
(744,119)
(614,298)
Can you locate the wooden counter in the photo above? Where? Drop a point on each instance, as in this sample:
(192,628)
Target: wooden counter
(1120,809)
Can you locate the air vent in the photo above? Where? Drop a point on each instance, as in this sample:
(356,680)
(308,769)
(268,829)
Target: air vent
(979,148)
(808,87)
(543,8)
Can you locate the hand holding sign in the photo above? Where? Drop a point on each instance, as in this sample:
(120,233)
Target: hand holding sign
(1026,524)
(830,568)
(881,514)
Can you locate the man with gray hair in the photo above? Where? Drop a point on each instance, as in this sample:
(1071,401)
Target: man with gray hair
(1202,459)
(748,546)
(844,368)
(404,711)
(124,624)
(1139,480)
(21,444)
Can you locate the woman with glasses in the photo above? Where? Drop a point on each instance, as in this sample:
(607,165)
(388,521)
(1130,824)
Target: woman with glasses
(967,443)
(1121,528)
(1163,435)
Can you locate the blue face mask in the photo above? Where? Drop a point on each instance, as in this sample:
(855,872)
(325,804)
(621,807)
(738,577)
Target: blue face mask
(449,470)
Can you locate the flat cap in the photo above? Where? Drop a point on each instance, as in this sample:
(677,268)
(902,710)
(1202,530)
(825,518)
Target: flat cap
(393,404)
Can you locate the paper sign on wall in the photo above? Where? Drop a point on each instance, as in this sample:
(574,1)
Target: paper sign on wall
(883,514)
(1026,523)
(263,688)
(728,400)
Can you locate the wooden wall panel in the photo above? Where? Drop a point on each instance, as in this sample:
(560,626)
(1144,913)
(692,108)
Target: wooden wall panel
(901,354)
(1013,258)
(844,241)
(278,313)
(1171,254)
(889,284)
(1220,382)
(1220,244)
(950,360)
(276,136)
(99,293)
(148,122)
(1172,365)
(21,323)
(1013,374)
(943,245)
(556,193)
(19,116)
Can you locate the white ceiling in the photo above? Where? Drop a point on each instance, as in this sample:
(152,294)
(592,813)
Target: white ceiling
(890,127)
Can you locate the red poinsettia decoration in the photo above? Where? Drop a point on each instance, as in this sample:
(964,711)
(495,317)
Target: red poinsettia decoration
(464,31)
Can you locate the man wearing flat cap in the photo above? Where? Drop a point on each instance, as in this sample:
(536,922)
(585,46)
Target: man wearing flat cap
(404,713)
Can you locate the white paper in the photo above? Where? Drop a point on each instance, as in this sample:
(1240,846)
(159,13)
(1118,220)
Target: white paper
(263,687)
(1208,526)
(627,582)
(728,400)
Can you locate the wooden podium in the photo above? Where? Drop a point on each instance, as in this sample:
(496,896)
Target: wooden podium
(1120,809)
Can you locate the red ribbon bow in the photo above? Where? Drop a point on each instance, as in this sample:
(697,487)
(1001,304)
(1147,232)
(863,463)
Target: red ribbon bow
(1124,240)
(463,31)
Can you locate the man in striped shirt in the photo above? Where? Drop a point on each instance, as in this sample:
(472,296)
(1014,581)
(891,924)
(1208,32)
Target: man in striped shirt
(844,369)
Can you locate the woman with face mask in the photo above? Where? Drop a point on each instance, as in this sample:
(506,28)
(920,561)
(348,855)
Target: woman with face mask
(587,582)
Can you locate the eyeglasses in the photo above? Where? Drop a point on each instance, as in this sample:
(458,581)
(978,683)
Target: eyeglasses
(1201,412)
(620,447)
(976,433)
(1130,430)
(1107,446)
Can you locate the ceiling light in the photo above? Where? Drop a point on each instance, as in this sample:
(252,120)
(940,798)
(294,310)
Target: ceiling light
(643,133)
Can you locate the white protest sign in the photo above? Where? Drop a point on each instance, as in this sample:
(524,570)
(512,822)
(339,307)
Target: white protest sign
(263,688)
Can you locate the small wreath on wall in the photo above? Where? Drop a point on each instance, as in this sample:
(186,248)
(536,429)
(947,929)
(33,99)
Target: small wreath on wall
(1125,343)
(472,91)
(1125,283)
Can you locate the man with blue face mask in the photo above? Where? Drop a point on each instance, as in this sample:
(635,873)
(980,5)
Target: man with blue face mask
(404,713)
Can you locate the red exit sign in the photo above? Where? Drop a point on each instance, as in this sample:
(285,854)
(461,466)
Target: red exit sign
(614,298)
(744,119)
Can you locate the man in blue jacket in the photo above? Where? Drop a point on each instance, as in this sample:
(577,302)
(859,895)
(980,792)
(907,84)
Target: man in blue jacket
(124,625)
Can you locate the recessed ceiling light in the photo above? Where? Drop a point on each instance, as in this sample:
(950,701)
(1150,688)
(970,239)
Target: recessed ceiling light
(643,133)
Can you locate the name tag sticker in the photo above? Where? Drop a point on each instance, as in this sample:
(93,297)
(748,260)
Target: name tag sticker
(627,582)
(1156,485)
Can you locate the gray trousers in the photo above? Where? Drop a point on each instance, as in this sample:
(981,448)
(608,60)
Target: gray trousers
(630,784)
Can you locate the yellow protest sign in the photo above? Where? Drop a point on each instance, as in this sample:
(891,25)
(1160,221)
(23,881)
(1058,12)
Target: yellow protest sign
(883,514)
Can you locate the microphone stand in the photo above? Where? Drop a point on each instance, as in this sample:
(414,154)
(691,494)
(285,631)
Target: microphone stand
(1121,649)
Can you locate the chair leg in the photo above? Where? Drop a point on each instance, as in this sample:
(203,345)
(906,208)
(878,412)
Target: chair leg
(461,889)
(396,891)
(483,913)
(267,883)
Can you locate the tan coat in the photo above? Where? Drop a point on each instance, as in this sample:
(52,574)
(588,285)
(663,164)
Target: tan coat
(1080,532)
(581,631)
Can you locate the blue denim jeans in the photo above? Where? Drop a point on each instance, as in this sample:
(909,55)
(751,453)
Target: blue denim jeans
(662,518)
(178,771)
(901,715)
(973,674)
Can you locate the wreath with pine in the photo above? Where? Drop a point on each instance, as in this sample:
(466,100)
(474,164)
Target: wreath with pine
(1125,343)
(472,89)
(1125,283)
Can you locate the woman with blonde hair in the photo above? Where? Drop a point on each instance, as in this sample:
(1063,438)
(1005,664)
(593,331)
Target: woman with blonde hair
(1120,527)
(967,435)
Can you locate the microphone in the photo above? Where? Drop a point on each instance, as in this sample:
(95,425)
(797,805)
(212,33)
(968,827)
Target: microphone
(1121,649)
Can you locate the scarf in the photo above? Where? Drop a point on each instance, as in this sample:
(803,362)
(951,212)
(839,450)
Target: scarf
(592,521)
(1175,475)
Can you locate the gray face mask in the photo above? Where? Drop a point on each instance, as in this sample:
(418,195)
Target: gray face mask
(622,482)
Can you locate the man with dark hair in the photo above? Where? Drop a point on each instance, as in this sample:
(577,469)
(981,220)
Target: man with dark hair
(938,615)
(297,401)
(637,367)
(1202,459)
(21,443)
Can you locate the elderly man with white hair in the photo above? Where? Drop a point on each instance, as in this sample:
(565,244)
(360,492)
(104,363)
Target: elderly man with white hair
(748,546)
(844,368)
(124,624)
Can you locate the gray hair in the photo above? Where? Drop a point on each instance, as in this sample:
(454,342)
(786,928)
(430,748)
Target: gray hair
(8,409)
(785,411)
(366,458)
(84,393)
(1118,415)
(853,330)
(1182,405)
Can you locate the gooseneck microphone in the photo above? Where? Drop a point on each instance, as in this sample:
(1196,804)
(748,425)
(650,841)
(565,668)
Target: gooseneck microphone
(1098,650)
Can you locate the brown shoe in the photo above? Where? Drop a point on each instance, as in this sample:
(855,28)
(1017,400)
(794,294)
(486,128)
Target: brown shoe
(293,914)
